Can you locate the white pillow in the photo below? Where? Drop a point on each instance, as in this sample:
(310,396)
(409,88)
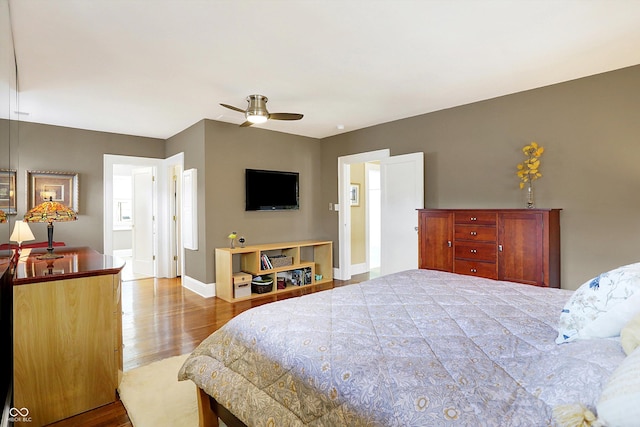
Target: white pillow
(610,323)
(595,299)
(630,335)
(619,402)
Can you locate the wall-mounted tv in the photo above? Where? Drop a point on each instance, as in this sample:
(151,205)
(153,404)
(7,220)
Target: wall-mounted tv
(268,190)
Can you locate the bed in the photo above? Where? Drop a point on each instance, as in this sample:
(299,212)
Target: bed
(415,348)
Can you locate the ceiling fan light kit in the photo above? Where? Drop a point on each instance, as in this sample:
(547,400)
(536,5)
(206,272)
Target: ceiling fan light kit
(257,112)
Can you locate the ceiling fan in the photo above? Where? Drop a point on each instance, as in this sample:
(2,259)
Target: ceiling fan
(257,112)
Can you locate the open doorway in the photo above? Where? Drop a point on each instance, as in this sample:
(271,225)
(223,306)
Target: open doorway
(159,239)
(127,181)
(401,193)
(364,205)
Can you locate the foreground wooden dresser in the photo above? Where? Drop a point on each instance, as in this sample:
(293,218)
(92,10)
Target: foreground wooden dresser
(519,245)
(67,333)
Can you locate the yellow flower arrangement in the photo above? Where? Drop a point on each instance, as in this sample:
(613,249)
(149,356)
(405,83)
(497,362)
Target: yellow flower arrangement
(529,170)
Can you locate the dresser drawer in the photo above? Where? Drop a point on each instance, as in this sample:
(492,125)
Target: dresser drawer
(476,251)
(476,233)
(475,217)
(476,268)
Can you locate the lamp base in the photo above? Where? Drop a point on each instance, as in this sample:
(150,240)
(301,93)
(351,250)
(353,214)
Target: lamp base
(50,255)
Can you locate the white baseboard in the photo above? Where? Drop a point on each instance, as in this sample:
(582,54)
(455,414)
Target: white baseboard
(355,269)
(206,290)
(359,268)
(337,274)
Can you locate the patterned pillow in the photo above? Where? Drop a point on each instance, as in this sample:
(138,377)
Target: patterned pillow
(618,403)
(595,299)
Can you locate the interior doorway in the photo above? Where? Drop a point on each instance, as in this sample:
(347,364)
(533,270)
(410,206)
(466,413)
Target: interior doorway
(162,252)
(401,193)
(365,218)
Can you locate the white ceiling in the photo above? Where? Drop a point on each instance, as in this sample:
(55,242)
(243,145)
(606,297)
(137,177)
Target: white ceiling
(155,67)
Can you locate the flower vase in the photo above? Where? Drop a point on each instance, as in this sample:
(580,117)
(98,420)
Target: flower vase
(530,200)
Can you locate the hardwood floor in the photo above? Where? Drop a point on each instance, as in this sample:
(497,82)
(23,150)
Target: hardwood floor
(162,319)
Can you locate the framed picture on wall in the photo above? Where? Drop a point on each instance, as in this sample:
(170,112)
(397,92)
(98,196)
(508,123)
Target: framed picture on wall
(8,191)
(354,195)
(61,187)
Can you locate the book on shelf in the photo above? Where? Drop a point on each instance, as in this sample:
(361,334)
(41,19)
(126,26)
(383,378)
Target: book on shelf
(265,262)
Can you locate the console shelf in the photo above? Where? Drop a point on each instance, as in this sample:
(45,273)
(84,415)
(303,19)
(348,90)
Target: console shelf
(310,254)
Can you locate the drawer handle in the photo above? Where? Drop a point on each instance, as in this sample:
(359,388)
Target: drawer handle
(473,218)
(473,270)
(500,248)
(449,243)
(474,251)
(474,233)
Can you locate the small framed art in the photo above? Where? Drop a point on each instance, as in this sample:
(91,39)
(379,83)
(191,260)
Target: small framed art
(61,187)
(8,191)
(354,195)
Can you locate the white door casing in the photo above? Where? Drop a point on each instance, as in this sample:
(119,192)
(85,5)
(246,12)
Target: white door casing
(402,192)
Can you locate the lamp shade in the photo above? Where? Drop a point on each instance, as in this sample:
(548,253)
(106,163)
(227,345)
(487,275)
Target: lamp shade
(3,216)
(21,233)
(50,211)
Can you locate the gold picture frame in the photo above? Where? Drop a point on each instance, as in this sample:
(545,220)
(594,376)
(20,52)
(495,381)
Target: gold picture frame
(60,187)
(8,191)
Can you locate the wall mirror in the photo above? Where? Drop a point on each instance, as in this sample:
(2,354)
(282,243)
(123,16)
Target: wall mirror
(8,127)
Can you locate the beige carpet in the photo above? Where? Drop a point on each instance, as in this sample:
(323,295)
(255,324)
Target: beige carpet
(153,396)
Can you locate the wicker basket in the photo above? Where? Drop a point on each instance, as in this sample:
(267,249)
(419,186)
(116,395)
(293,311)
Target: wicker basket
(280,261)
(261,288)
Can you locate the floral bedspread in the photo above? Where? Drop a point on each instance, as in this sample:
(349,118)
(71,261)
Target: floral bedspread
(416,348)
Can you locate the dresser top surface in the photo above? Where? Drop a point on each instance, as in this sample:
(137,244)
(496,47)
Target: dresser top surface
(75,262)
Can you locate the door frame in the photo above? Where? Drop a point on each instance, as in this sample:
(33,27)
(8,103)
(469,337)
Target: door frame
(343,272)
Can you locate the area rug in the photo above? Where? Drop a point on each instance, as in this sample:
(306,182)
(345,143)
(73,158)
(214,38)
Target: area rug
(153,396)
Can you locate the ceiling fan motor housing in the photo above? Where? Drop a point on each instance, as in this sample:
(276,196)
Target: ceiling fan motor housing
(257,108)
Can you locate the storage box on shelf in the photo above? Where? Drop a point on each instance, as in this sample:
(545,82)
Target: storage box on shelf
(241,284)
(305,263)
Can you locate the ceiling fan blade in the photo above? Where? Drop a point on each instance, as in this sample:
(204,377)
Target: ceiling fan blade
(231,107)
(246,124)
(285,116)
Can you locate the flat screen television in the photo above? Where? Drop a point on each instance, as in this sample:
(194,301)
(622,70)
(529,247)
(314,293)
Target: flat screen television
(268,190)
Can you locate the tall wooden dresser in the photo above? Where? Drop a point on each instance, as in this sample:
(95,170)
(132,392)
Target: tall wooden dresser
(518,245)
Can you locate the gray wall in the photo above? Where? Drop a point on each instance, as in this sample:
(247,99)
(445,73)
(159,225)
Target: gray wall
(589,128)
(61,149)
(221,152)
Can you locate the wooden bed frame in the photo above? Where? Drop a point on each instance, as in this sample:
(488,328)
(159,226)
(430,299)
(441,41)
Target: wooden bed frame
(209,410)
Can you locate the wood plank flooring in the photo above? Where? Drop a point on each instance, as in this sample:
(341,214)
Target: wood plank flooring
(162,319)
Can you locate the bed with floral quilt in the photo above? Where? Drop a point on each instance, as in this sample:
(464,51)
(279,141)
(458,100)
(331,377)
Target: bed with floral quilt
(415,348)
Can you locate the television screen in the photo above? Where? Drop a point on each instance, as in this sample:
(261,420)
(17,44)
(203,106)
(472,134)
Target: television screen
(271,190)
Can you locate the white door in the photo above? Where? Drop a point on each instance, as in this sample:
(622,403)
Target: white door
(143,221)
(402,192)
